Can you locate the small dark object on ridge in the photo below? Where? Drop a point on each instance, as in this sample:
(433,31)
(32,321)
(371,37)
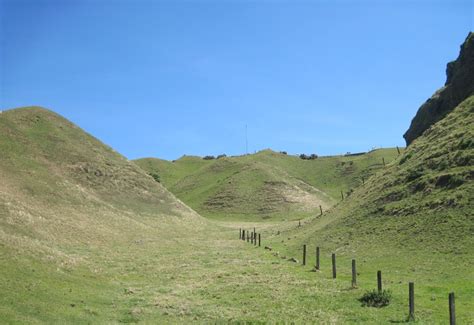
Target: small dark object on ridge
(310,157)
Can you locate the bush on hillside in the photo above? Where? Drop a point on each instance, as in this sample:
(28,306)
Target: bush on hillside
(414,174)
(449,181)
(283,152)
(209,157)
(221,156)
(376,299)
(156,177)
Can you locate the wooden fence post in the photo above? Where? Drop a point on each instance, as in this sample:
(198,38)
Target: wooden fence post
(243,234)
(354,274)
(251,238)
(248,239)
(398,149)
(259,240)
(383,160)
(317,258)
(240,233)
(321,209)
(363,180)
(255,239)
(379,281)
(342,195)
(452,311)
(333,265)
(304,254)
(411,301)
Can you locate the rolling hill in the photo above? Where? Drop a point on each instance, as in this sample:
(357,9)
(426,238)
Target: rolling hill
(265,185)
(69,208)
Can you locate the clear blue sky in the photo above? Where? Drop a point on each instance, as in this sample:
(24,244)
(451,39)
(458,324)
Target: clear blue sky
(170,78)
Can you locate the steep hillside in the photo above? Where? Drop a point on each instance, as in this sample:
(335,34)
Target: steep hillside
(264,185)
(69,205)
(459,85)
(413,220)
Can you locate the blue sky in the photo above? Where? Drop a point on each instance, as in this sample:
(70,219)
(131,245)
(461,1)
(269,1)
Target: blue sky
(167,78)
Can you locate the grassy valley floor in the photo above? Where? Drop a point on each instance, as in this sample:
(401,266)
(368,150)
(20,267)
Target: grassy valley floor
(206,274)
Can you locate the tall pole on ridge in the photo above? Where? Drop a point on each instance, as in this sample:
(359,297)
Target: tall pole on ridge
(246,141)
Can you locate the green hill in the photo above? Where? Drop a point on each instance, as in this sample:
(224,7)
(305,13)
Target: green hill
(88,237)
(266,185)
(413,220)
(70,208)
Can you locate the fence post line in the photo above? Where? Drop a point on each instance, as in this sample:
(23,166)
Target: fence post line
(317,258)
(304,254)
(259,240)
(411,301)
(452,311)
(333,265)
(354,274)
(379,281)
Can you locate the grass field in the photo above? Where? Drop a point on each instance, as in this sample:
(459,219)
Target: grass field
(88,237)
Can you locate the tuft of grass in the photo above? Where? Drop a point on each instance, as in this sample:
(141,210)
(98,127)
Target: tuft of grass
(374,298)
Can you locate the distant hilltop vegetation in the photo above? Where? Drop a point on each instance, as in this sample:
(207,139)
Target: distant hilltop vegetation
(459,86)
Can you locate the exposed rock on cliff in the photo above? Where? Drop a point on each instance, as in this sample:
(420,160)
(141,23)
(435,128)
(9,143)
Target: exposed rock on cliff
(459,85)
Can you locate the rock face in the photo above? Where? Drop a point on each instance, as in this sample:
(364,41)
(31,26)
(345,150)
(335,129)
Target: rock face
(459,85)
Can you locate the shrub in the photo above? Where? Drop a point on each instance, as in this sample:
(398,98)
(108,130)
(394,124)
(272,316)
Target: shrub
(376,299)
(303,156)
(466,144)
(283,152)
(221,156)
(414,174)
(313,156)
(209,157)
(450,181)
(156,177)
(405,158)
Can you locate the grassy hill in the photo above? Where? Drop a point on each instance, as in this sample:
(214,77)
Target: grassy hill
(413,220)
(88,237)
(68,206)
(266,185)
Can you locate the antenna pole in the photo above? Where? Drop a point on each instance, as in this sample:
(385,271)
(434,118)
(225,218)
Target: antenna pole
(246,141)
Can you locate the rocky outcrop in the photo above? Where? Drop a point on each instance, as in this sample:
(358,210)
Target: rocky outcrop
(459,85)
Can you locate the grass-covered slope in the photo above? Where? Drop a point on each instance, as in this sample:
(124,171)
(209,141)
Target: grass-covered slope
(413,220)
(68,206)
(266,185)
(87,237)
